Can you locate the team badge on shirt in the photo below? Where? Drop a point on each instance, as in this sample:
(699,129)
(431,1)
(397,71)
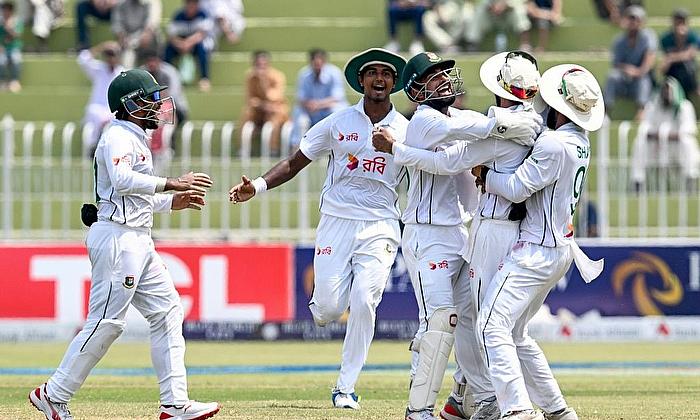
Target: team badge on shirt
(129,282)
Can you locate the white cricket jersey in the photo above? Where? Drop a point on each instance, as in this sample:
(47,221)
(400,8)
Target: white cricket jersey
(552,180)
(360,182)
(499,155)
(436,199)
(124,181)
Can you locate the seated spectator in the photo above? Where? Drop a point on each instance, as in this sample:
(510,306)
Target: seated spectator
(613,10)
(445,24)
(505,15)
(406,10)
(544,14)
(320,92)
(265,98)
(99,9)
(669,106)
(188,34)
(680,46)
(228,19)
(44,16)
(11,28)
(101,72)
(135,24)
(634,52)
(167,75)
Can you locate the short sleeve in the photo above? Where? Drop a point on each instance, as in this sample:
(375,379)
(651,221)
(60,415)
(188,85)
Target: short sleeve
(316,142)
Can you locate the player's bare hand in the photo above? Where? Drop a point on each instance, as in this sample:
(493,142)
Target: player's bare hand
(242,192)
(382,140)
(480,173)
(190,199)
(196,181)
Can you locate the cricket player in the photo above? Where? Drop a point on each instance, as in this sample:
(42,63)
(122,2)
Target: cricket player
(550,182)
(126,269)
(513,78)
(434,236)
(358,234)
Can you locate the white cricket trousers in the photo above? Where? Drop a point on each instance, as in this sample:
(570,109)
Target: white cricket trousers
(126,270)
(433,256)
(491,241)
(351,267)
(515,294)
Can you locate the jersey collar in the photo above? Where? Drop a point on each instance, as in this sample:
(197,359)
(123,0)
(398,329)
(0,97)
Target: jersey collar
(138,131)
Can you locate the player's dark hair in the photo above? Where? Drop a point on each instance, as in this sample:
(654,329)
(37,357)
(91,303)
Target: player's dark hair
(9,5)
(317,52)
(260,53)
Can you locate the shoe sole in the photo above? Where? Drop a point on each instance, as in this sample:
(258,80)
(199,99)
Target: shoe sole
(29,397)
(206,415)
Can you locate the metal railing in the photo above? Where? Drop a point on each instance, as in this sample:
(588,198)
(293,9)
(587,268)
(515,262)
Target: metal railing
(46,177)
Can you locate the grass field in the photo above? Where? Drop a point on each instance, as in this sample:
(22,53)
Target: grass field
(640,380)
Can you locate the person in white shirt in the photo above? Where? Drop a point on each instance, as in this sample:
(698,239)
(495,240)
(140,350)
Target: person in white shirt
(101,73)
(513,78)
(358,234)
(126,269)
(668,107)
(550,181)
(434,236)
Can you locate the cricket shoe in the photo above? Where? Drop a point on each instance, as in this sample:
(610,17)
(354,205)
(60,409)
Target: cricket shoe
(453,410)
(566,414)
(343,400)
(486,410)
(420,415)
(523,415)
(52,410)
(192,410)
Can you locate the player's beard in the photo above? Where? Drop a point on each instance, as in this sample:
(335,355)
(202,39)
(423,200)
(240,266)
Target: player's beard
(440,103)
(151,124)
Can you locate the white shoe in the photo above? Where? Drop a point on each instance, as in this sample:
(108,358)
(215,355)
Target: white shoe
(393,46)
(52,410)
(342,400)
(193,410)
(567,414)
(420,415)
(416,47)
(524,415)
(486,410)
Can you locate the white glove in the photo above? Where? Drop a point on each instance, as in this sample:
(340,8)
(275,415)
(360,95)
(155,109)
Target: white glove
(522,126)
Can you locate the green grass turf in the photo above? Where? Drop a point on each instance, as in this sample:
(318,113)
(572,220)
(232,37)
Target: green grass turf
(618,395)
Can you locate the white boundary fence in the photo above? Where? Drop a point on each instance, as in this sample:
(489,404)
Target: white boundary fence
(46,177)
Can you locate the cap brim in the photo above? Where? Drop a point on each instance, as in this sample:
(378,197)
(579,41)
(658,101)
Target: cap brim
(550,83)
(352,68)
(488,73)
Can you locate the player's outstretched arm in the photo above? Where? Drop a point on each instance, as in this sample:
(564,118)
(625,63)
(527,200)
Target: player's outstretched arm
(282,172)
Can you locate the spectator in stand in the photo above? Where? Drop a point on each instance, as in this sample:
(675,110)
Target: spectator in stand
(101,72)
(265,97)
(634,52)
(43,16)
(188,33)
(167,75)
(11,28)
(406,10)
(505,15)
(613,10)
(99,9)
(228,19)
(135,24)
(669,107)
(445,24)
(320,92)
(545,15)
(680,46)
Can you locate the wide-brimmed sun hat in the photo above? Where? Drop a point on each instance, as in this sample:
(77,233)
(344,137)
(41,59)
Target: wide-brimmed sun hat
(357,63)
(572,90)
(513,75)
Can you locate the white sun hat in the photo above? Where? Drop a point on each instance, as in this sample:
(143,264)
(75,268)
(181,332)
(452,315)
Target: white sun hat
(575,92)
(513,75)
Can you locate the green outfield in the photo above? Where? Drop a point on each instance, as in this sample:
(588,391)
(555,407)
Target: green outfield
(642,380)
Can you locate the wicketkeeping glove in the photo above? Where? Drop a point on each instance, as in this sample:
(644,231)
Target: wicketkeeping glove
(522,127)
(88,214)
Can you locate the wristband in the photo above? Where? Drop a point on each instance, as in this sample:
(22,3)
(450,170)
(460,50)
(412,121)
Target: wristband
(260,185)
(160,184)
